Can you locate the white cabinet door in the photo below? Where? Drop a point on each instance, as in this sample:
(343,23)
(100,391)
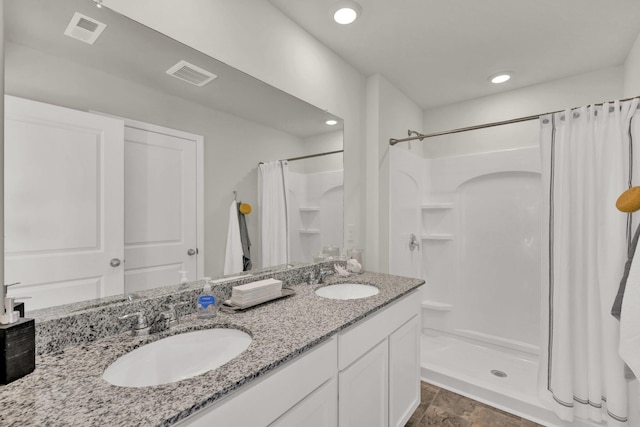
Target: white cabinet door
(160,172)
(63,203)
(404,372)
(319,409)
(363,390)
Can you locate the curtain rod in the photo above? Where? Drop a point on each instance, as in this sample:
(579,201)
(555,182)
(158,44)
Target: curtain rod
(310,156)
(420,136)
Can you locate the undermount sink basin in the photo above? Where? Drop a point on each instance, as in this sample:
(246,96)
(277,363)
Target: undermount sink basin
(346,291)
(177,357)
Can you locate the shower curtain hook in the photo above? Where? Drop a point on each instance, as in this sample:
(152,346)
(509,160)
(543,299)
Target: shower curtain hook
(235,195)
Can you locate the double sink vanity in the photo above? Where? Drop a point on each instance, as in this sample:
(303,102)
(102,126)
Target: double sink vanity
(338,359)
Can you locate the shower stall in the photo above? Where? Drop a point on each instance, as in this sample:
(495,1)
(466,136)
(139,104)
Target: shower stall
(477,219)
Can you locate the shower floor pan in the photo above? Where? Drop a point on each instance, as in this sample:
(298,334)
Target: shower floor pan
(465,367)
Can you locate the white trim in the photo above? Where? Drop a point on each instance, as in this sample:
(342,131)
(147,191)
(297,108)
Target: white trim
(199,140)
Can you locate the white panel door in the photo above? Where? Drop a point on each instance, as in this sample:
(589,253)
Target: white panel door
(404,372)
(363,390)
(63,203)
(405,203)
(160,200)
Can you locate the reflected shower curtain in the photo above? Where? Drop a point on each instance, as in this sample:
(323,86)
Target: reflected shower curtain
(274,232)
(587,162)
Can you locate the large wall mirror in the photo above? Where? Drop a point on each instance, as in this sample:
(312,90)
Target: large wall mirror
(120,173)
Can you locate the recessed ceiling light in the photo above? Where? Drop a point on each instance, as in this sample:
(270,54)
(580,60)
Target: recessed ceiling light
(500,78)
(331,122)
(346,11)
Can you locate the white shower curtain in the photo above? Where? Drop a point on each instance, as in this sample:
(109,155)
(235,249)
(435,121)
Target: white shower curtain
(587,162)
(274,232)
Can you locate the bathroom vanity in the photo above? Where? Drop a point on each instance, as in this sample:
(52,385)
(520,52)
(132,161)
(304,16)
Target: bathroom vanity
(312,361)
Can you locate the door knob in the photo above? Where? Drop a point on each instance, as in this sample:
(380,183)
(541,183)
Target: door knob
(192,252)
(115,262)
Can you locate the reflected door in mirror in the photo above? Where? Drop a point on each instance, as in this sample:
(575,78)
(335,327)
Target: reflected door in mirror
(160,206)
(63,203)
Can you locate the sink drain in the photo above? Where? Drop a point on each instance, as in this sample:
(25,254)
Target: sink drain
(498,373)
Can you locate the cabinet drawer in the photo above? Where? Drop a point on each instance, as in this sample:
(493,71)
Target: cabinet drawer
(364,335)
(319,409)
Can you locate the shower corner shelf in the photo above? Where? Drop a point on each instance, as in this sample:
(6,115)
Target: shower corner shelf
(437,236)
(309,231)
(435,305)
(309,209)
(432,206)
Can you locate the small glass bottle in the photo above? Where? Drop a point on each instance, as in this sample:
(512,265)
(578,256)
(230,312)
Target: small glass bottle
(206,304)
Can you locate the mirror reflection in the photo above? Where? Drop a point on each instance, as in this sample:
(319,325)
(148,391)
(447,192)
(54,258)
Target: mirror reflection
(315,206)
(122,160)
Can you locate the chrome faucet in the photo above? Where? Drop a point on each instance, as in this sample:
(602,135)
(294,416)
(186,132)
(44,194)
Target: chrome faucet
(325,273)
(139,327)
(169,317)
(145,324)
(149,322)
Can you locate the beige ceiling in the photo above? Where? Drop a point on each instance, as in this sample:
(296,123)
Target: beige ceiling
(442,51)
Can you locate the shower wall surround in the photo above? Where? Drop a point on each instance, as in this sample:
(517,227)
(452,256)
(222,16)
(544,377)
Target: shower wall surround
(480,233)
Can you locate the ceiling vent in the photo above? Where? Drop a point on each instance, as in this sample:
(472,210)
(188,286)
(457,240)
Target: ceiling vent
(85,29)
(191,73)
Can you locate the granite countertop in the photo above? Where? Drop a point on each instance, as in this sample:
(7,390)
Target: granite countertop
(67,387)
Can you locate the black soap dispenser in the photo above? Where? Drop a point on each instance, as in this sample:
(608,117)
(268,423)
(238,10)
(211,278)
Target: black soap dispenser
(17,341)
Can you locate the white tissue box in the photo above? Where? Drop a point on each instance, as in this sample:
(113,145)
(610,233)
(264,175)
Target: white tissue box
(254,291)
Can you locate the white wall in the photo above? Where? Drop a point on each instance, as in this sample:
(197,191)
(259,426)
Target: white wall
(632,71)
(255,37)
(233,146)
(389,114)
(583,89)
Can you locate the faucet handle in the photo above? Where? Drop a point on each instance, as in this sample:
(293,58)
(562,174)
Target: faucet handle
(311,278)
(171,315)
(140,320)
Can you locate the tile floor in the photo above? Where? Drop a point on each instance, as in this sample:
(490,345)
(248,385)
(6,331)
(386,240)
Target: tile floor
(439,407)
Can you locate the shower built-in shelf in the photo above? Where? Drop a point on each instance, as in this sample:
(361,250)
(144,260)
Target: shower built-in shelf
(309,209)
(432,206)
(435,305)
(437,236)
(309,231)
